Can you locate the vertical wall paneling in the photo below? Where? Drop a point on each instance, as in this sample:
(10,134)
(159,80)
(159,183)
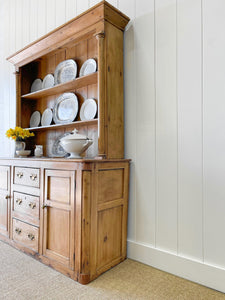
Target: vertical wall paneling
(189,70)
(71,9)
(214,131)
(42,18)
(50,15)
(145,126)
(127,7)
(166,125)
(130,122)
(2,41)
(93,2)
(82,6)
(25,21)
(33,20)
(19,25)
(60,12)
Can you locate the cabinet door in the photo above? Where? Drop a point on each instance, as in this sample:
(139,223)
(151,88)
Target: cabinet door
(4,200)
(58,236)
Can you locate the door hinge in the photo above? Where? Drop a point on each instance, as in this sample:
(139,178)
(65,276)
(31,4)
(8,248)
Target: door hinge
(74,256)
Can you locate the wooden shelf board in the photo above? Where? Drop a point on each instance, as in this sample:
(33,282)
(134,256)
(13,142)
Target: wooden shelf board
(55,126)
(64,87)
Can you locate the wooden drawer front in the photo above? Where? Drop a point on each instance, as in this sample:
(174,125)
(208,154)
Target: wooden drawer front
(26,204)
(26,176)
(25,234)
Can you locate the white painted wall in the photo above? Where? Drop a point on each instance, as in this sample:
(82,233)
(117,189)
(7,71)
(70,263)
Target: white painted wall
(174,123)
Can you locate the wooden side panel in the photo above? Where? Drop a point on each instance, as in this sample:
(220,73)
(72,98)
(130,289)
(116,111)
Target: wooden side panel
(109,242)
(114,79)
(110,185)
(86,222)
(4,200)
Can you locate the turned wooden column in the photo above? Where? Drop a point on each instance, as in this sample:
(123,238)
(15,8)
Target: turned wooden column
(18,96)
(102,109)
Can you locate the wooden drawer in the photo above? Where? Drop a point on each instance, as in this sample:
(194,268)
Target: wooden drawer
(25,234)
(27,176)
(26,204)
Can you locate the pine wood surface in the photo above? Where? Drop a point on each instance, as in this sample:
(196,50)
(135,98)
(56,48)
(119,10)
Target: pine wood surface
(80,233)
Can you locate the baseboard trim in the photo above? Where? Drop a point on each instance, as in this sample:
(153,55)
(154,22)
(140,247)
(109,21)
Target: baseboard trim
(208,275)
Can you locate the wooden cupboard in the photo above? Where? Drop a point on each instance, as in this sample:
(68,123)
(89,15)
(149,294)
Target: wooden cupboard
(75,219)
(71,214)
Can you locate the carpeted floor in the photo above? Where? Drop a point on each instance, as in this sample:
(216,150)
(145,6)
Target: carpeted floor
(23,278)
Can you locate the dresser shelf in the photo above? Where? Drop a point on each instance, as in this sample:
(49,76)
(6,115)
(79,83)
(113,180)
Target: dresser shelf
(55,126)
(64,87)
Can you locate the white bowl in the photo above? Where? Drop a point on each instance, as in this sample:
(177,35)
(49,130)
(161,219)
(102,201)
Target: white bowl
(23,153)
(75,147)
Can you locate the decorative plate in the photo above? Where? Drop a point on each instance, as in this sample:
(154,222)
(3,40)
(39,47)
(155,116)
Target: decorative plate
(48,81)
(46,118)
(65,108)
(88,110)
(88,67)
(57,149)
(36,85)
(65,71)
(35,119)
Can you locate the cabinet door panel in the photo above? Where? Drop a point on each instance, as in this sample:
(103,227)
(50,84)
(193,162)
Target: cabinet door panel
(4,200)
(58,242)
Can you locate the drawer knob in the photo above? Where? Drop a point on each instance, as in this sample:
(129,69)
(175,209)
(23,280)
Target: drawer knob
(7,197)
(18,230)
(19,174)
(30,236)
(33,177)
(32,205)
(19,201)
(44,205)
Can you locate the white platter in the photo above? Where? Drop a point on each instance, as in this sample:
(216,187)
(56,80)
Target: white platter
(48,81)
(88,110)
(57,149)
(65,71)
(46,118)
(88,67)
(65,108)
(36,85)
(35,119)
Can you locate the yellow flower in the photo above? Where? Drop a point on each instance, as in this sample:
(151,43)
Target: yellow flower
(18,133)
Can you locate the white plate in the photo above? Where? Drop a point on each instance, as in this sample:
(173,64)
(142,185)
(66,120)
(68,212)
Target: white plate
(88,110)
(57,149)
(36,85)
(65,71)
(48,81)
(88,67)
(46,118)
(65,108)
(35,119)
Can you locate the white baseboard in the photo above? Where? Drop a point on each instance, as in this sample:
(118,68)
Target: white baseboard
(208,275)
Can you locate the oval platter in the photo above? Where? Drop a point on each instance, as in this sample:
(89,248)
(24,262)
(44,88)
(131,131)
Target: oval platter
(65,108)
(65,71)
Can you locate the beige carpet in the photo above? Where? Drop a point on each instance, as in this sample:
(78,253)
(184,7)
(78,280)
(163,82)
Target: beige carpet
(23,278)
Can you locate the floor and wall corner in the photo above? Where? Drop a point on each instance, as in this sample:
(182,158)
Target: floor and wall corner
(174,123)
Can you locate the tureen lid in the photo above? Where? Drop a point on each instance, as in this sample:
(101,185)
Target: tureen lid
(74,135)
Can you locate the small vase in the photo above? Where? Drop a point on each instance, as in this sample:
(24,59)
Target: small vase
(19,145)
